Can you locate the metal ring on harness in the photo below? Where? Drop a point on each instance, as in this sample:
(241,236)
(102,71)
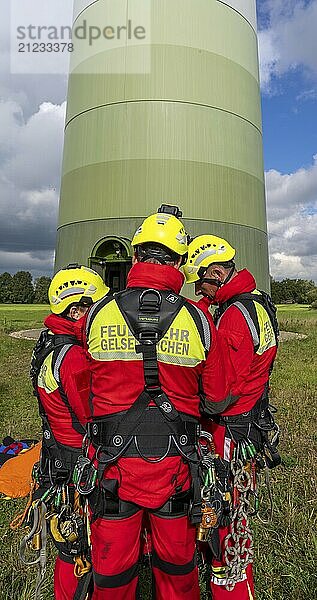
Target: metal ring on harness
(85,443)
(113,458)
(275,437)
(182,453)
(117,441)
(154,460)
(142,300)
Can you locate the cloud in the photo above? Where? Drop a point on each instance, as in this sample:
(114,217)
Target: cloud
(292,222)
(38,141)
(32,113)
(307,95)
(37,262)
(30,167)
(28,91)
(288,41)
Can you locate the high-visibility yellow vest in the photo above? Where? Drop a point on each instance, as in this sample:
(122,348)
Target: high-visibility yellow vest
(185,342)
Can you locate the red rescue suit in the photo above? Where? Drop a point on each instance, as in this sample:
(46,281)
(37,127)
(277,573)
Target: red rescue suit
(74,377)
(250,373)
(116,384)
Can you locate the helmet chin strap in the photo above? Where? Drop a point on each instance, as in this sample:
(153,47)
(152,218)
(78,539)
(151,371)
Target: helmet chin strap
(217,282)
(231,272)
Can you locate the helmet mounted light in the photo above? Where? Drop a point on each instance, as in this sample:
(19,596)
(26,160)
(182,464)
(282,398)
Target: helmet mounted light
(170,209)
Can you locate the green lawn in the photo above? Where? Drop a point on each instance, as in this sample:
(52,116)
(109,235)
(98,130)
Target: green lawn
(299,308)
(286,550)
(14,317)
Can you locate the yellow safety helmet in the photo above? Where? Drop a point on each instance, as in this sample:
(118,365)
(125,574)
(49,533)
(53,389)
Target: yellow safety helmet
(74,284)
(203,251)
(165,229)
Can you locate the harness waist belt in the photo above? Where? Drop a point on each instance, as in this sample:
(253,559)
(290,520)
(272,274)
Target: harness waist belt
(246,417)
(151,436)
(63,457)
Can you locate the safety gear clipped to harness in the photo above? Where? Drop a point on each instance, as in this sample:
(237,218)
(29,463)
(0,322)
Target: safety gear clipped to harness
(257,426)
(215,493)
(58,510)
(253,452)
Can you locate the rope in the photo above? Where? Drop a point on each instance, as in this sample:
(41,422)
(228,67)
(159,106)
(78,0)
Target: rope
(270,497)
(18,521)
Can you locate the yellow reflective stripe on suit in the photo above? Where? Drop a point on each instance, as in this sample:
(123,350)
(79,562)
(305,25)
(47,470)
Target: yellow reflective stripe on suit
(111,339)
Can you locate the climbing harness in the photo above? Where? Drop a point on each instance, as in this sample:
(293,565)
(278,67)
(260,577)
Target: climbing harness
(152,427)
(55,505)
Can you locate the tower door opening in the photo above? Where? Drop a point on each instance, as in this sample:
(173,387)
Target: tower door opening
(111,258)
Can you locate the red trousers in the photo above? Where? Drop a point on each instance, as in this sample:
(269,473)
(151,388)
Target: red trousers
(116,551)
(65,582)
(244,589)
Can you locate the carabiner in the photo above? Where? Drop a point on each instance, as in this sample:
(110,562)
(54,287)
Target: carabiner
(84,476)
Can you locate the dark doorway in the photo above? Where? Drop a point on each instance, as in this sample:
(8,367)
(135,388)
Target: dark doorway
(116,275)
(112,260)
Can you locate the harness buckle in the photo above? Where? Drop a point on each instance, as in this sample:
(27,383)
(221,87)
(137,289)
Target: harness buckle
(153,390)
(148,337)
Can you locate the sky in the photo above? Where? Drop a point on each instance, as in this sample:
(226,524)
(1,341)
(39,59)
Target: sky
(32,113)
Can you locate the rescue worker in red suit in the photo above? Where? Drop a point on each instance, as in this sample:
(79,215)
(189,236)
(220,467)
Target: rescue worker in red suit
(149,348)
(63,390)
(249,345)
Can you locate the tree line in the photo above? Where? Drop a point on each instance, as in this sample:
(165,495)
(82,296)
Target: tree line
(20,288)
(290,291)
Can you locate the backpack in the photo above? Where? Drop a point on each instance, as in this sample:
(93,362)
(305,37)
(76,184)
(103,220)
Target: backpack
(247,299)
(47,343)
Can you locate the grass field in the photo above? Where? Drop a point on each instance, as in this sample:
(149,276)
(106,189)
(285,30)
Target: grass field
(286,550)
(14,317)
